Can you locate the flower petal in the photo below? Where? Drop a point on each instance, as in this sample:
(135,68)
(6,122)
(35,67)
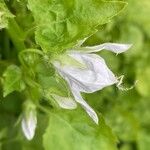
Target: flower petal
(65,102)
(76,93)
(114,47)
(91,78)
(83,103)
(29,125)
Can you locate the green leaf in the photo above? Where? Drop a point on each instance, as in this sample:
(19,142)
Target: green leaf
(67,21)
(50,82)
(13,80)
(122,118)
(7,135)
(74,130)
(4,15)
(143,140)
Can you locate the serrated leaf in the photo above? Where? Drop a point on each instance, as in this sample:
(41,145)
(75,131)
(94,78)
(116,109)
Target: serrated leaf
(73,130)
(13,80)
(67,21)
(4,15)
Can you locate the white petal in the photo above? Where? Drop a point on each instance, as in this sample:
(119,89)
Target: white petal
(29,125)
(83,103)
(76,93)
(114,47)
(65,102)
(94,77)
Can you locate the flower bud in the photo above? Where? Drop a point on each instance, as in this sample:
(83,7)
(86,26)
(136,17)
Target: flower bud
(29,120)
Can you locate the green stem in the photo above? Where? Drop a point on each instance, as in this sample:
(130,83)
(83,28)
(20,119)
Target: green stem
(4,45)
(43,109)
(36,51)
(16,34)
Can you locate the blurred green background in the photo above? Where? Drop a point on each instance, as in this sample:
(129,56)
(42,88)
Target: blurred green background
(126,112)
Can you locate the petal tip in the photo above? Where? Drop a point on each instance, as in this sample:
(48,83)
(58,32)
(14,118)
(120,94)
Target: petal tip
(29,126)
(129,46)
(96,121)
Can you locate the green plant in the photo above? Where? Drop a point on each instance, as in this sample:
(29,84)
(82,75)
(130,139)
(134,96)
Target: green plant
(47,63)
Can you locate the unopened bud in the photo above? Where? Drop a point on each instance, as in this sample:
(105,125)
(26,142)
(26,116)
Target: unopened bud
(29,121)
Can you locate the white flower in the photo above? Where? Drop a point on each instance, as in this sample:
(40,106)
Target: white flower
(92,76)
(29,123)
